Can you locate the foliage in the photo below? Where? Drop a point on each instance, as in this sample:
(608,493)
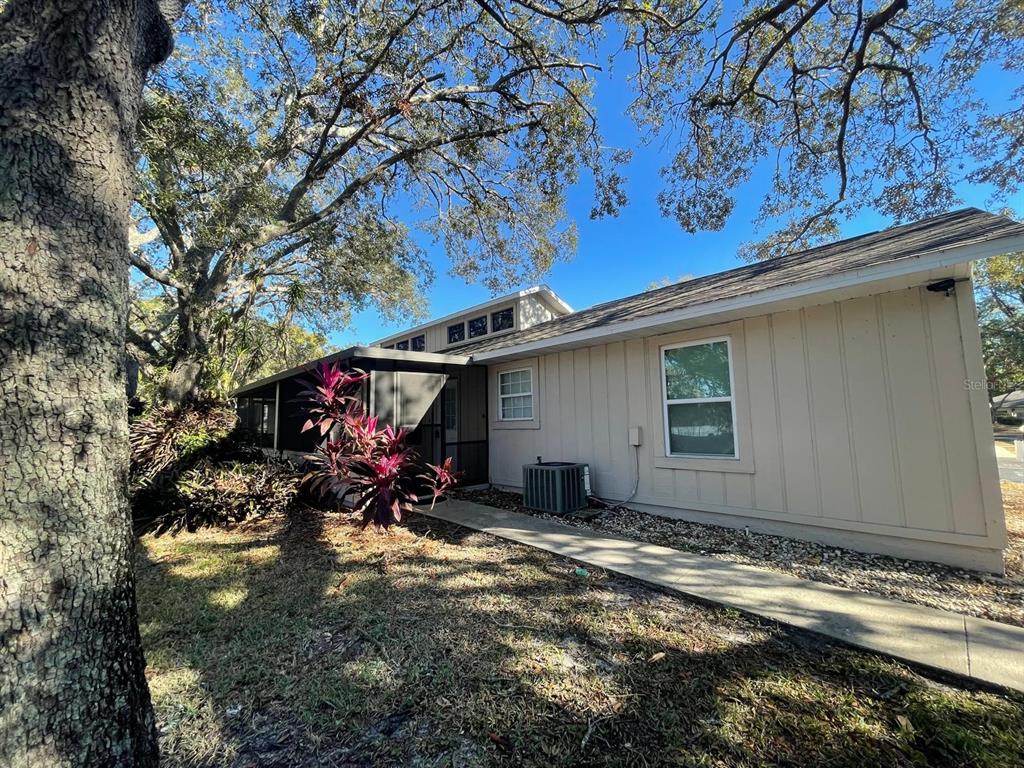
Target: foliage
(360,459)
(295,155)
(166,436)
(244,349)
(253,348)
(218,493)
(844,106)
(192,467)
(999,284)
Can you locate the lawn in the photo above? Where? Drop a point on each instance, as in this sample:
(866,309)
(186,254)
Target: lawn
(307,641)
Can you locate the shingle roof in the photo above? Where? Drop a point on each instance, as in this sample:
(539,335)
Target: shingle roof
(954,229)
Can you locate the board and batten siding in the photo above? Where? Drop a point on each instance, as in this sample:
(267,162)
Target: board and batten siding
(857,427)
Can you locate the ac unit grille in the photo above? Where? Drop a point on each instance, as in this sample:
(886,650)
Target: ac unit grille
(555,487)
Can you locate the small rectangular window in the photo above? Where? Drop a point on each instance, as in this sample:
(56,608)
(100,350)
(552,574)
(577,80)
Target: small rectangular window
(402,344)
(477,327)
(699,408)
(456,333)
(419,343)
(501,320)
(515,395)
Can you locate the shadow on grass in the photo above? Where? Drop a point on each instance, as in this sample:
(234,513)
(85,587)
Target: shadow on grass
(304,641)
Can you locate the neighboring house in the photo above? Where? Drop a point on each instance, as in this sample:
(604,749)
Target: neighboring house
(823,395)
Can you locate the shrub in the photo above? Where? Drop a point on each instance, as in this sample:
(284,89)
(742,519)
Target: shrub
(1009,421)
(213,493)
(191,467)
(360,460)
(164,438)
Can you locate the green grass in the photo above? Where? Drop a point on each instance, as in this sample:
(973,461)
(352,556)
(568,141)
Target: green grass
(310,642)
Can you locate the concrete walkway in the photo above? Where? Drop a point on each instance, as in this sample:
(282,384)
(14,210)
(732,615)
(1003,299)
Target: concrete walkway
(977,648)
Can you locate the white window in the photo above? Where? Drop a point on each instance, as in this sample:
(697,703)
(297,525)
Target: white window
(515,395)
(700,413)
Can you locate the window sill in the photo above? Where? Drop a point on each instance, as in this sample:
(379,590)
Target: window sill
(743,465)
(516,424)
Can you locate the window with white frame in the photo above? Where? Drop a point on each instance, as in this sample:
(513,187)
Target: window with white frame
(700,412)
(515,395)
(478,327)
(502,320)
(456,333)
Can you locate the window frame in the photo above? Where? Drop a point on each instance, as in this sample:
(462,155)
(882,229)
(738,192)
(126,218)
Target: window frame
(400,348)
(501,397)
(512,313)
(469,329)
(421,337)
(448,332)
(731,399)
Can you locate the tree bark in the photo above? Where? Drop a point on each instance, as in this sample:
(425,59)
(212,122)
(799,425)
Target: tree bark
(184,382)
(72,684)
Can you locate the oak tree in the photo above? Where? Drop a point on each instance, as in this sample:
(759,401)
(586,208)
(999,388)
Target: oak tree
(72,688)
(297,153)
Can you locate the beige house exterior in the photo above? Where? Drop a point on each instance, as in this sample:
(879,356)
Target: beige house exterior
(836,395)
(859,413)
(854,427)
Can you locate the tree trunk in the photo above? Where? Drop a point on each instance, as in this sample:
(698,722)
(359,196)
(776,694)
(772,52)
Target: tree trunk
(184,380)
(72,684)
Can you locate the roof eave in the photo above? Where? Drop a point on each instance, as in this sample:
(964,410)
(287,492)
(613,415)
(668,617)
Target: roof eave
(356,353)
(938,259)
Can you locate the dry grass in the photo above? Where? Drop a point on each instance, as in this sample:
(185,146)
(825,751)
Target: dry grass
(1013,505)
(309,642)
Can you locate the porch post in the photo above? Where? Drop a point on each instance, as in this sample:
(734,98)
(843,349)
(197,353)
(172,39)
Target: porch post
(277,412)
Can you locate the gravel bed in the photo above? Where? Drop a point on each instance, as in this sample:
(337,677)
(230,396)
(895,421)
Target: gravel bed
(912,581)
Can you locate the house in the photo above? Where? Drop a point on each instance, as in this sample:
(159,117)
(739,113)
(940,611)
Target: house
(825,395)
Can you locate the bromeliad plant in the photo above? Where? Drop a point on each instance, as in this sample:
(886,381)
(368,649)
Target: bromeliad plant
(361,459)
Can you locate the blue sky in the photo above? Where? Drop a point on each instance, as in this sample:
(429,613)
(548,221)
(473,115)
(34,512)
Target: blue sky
(620,256)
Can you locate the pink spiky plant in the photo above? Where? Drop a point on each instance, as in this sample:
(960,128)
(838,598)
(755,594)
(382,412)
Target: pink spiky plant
(362,460)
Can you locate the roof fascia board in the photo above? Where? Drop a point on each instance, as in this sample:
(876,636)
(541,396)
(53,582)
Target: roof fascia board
(368,353)
(555,300)
(922,263)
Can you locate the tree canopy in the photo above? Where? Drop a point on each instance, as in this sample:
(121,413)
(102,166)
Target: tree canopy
(1000,294)
(298,155)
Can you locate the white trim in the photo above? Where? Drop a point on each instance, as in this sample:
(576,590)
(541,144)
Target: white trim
(537,289)
(666,402)
(533,403)
(906,266)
